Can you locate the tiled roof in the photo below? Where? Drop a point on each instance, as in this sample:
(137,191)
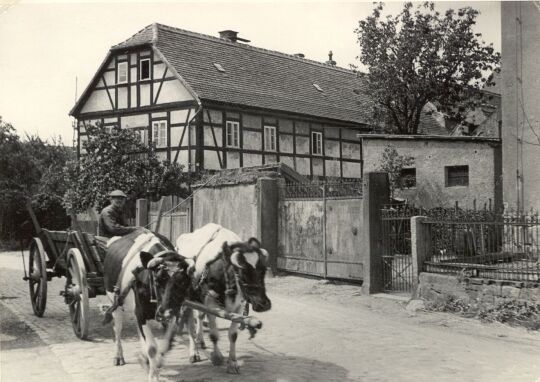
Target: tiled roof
(263,78)
(258,77)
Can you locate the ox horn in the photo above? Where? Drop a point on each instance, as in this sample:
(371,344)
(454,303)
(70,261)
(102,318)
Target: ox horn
(155,262)
(235,259)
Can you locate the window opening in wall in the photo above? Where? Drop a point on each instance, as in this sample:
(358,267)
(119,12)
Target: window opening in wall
(233,134)
(144,69)
(456,176)
(270,138)
(122,73)
(159,133)
(407,177)
(316,143)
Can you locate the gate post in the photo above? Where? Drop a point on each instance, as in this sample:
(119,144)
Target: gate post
(376,194)
(141,214)
(420,248)
(267,219)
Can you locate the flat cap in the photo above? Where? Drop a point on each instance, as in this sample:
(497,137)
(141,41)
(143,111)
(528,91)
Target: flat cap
(117,194)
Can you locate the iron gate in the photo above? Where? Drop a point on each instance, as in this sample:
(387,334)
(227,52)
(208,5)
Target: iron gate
(397,267)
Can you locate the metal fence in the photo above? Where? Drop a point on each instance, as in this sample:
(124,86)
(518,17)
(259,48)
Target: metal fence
(396,245)
(318,190)
(505,248)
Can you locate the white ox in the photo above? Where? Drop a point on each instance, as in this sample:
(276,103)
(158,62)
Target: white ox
(228,273)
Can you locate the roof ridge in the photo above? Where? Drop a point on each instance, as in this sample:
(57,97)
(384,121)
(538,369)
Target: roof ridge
(263,50)
(136,33)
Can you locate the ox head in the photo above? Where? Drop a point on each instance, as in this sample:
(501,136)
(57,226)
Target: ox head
(249,262)
(171,281)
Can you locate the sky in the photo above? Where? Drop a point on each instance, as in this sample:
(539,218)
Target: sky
(48,47)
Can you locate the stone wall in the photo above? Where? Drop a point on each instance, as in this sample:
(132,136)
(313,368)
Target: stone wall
(437,288)
(432,154)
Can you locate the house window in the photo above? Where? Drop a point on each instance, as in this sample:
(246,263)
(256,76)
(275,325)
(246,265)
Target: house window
(159,133)
(233,134)
(407,177)
(316,143)
(122,73)
(456,176)
(144,136)
(269,138)
(144,69)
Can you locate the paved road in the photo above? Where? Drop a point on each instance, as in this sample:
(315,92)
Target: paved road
(315,332)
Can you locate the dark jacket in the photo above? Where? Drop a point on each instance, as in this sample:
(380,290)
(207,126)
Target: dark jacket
(112,222)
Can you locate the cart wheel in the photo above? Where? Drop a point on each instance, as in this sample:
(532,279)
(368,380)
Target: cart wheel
(77,293)
(37,276)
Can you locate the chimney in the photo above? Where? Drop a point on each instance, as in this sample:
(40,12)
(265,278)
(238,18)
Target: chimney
(231,36)
(330,61)
(299,55)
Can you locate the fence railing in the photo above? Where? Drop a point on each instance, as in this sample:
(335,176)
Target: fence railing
(317,190)
(396,246)
(507,248)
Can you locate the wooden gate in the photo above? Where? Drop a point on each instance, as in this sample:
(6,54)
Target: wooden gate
(319,230)
(175,217)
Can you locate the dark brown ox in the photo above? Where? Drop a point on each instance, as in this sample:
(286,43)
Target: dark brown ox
(139,269)
(228,273)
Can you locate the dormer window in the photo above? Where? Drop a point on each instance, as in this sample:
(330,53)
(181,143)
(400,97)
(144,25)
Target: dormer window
(144,69)
(219,67)
(121,77)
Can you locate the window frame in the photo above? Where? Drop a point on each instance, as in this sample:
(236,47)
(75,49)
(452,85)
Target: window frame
(234,135)
(318,141)
(160,138)
(450,179)
(149,69)
(123,64)
(273,138)
(413,176)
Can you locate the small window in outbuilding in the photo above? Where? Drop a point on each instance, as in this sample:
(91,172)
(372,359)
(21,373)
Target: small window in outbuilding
(219,67)
(456,176)
(408,177)
(144,68)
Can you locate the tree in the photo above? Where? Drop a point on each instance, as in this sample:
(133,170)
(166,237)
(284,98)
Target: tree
(394,163)
(421,56)
(30,170)
(117,159)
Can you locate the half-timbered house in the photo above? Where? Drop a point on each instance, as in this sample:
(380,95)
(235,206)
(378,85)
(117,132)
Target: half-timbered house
(214,103)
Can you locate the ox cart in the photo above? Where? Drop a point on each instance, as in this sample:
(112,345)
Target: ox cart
(73,254)
(78,256)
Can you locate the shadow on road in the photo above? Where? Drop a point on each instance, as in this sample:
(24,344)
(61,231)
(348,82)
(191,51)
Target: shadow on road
(15,334)
(258,367)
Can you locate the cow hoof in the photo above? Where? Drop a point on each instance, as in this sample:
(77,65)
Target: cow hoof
(195,358)
(216,358)
(232,367)
(119,361)
(143,361)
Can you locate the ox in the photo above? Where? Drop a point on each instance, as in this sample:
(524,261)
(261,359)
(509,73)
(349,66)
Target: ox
(228,273)
(139,269)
